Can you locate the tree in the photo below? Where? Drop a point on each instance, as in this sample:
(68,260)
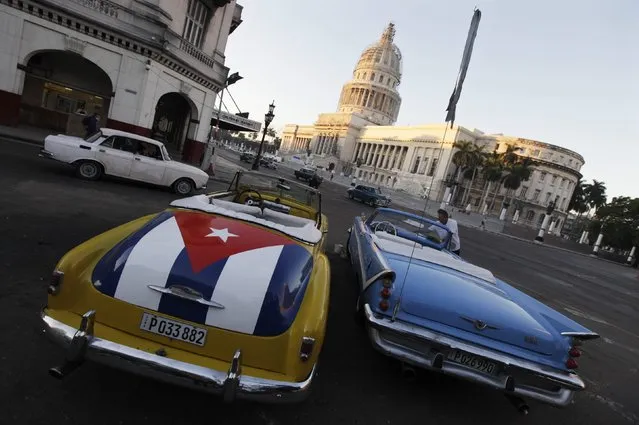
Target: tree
(516,173)
(477,159)
(463,157)
(595,194)
(619,223)
(271,133)
(578,202)
(492,171)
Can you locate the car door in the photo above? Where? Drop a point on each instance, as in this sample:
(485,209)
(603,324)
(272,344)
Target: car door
(148,164)
(116,155)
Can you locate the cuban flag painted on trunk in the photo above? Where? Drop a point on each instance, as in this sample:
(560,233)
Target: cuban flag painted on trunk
(256,277)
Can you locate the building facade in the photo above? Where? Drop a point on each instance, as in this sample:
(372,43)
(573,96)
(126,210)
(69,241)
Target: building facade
(361,140)
(151,67)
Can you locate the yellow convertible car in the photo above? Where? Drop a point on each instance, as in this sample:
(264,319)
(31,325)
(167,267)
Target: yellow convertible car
(226,292)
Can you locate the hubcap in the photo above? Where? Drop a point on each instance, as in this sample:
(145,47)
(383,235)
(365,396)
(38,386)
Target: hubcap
(183,187)
(88,170)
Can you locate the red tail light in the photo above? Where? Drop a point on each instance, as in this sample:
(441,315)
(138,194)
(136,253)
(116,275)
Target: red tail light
(571,363)
(383,305)
(386,293)
(574,352)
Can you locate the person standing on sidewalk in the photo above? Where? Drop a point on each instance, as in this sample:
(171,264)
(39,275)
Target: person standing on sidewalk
(91,124)
(455,243)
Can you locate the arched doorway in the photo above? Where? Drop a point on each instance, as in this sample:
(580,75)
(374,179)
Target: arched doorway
(60,88)
(175,120)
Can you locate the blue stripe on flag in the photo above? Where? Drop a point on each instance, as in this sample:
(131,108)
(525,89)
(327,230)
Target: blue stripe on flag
(109,268)
(203,282)
(285,291)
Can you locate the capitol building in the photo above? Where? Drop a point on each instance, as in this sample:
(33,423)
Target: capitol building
(362,142)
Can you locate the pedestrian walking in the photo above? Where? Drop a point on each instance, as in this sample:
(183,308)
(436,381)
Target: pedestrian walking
(91,124)
(455,243)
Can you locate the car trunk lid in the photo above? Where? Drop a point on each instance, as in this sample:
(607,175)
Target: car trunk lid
(456,299)
(234,279)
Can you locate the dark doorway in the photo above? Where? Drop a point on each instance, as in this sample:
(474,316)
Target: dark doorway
(60,88)
(171,121)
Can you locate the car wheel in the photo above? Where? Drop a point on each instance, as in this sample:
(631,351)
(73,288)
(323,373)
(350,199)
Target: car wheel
(350,195)
(359,311)
(183,187)
(89,170)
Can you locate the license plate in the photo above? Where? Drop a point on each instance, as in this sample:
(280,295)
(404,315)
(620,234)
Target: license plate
(172,329)
(470,360)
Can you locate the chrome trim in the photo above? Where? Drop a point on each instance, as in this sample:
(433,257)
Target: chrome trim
(569,382)
(305,341)
(45,154)
(231,384)
(185,293)
(584,336)
(478,324)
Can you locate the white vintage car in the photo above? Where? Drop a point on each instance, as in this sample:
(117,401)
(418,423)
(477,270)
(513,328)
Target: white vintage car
(125,155)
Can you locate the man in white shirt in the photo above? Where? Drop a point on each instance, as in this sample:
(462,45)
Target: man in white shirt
(442,217)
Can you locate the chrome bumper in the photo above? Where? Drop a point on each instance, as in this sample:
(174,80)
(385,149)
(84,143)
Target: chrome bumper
(506,380)
(81,344)
(45,154)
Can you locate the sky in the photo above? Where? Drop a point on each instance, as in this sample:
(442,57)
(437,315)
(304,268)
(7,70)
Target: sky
(561,72)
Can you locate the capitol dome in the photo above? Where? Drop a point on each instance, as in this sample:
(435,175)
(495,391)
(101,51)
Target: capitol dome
(373,90)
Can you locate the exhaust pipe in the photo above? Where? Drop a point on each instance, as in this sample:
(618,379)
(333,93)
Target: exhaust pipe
(519,403)
(408,372)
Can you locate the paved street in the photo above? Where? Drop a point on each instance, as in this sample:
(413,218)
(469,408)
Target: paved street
(45,211)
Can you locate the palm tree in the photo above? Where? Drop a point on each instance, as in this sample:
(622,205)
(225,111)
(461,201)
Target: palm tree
(477,161)
(271,133)
(517,173)
(578,200)
(595,194)
(492,171)
(462,158)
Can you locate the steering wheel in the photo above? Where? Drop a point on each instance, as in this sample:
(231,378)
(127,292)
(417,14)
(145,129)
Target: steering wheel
(386,226)
(249,201)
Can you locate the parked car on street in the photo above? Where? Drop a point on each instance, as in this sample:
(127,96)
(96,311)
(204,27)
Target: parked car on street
(430,309)
(368,195)
(308,174)
(226,292)
(124,155)
(268,163)
(247,157)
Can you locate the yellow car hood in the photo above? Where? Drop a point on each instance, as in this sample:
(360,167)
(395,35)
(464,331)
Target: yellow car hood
(231,274)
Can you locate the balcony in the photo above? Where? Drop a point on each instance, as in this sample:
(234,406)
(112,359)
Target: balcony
(237,18)
(195,58)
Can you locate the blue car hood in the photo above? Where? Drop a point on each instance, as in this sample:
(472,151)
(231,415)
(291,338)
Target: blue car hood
(461,301)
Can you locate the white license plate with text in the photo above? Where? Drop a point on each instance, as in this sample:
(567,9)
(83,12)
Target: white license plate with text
(470,360)
(172,329)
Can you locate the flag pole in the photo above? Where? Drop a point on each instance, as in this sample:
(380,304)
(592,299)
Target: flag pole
(454,98)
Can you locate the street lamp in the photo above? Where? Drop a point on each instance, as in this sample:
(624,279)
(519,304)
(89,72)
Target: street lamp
(268,118)
(207,160)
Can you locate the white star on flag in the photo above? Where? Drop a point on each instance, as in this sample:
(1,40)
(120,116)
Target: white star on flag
(223,234)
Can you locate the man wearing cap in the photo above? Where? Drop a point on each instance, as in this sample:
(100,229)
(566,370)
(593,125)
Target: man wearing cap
(442,217)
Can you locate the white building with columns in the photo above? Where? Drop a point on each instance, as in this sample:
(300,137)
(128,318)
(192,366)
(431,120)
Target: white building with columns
(152,67)
(361,140)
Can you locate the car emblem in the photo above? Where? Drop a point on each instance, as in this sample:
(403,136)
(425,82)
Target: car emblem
(478,324)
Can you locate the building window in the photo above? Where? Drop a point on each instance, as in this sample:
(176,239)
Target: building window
(372,76)
(556,200)
(542,177)
(196,16)
(522,194)
(433,167)
(530,215)
(547,199)
(422,168)
(536,195)
(535,152)
(563,204)
(381,78)
(364,77)
(416,165)
(554,180)
(562,184)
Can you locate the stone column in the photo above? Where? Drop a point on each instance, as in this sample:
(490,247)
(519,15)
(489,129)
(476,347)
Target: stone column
(595,250)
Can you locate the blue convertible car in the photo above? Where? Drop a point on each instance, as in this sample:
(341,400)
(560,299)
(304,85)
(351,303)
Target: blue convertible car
(429,308)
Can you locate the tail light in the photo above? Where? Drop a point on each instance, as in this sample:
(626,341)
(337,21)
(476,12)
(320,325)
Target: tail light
(56,282)
(573,353)
(385,293)
(306,349)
